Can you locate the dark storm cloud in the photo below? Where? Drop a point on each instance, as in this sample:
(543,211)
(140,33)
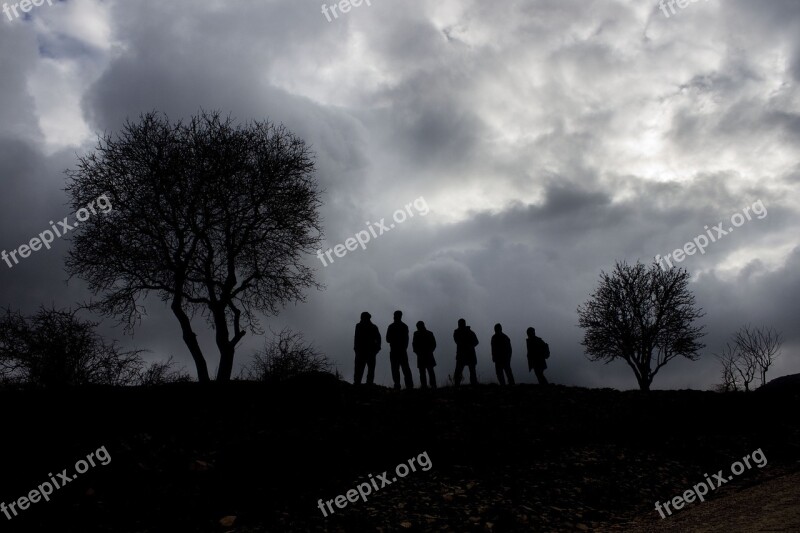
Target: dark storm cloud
(32,185)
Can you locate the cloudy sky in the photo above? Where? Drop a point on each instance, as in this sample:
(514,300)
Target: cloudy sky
(548,138)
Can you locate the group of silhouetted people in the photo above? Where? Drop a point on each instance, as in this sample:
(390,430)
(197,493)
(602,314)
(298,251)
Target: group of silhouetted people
(367,344)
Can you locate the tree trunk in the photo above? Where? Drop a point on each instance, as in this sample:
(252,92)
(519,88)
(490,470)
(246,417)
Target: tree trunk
(225,365)
(226,349)
(190,339)
(641,373)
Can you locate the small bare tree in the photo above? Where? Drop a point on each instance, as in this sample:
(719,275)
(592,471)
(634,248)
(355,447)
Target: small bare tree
(730,380)
(760,345)
(286,355)
(644,316)
(737,372)
(752,353)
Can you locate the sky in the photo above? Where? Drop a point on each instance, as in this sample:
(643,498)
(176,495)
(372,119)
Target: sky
(543,139)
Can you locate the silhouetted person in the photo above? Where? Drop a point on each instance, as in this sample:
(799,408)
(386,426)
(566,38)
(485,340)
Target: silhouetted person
(397,338)
(538,351)
(367,344)
(501,355)
(424,344)
(466,341)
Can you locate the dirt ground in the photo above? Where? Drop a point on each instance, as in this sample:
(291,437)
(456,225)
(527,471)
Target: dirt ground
(773,505)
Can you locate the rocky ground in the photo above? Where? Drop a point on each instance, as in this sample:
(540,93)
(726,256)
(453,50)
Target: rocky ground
(250,458)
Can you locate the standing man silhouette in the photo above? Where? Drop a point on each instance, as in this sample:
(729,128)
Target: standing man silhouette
(538,351)
(466,341)
(367,344)
(424,344)
(397,338)
(501,355)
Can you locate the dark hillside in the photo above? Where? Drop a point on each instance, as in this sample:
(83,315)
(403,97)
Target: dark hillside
(522,458)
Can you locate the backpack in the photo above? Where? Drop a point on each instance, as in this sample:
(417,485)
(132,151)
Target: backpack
(544,348)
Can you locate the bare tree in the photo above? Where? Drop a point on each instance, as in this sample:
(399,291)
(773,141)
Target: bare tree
(752,353)
(56,348)
(284,356)
(730,381)
(644,316)
(737,372)
(209,216)
(762,345)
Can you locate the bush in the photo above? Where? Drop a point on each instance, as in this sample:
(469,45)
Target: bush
(56,348)
(160,373)
(285,356)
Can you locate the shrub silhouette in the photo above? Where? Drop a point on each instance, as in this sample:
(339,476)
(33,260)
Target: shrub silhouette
(160,373)
(55,348)
(285,356)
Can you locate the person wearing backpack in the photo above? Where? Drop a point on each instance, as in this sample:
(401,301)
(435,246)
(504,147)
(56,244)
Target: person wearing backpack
(538,352)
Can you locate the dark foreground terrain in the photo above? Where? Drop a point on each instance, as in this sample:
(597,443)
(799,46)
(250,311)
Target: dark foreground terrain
(250,458)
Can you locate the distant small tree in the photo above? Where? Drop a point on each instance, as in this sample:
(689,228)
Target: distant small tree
(284,356)
(644,316)
(737,372)
(751,354)
(762,345)
(730,382)
(56,348)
